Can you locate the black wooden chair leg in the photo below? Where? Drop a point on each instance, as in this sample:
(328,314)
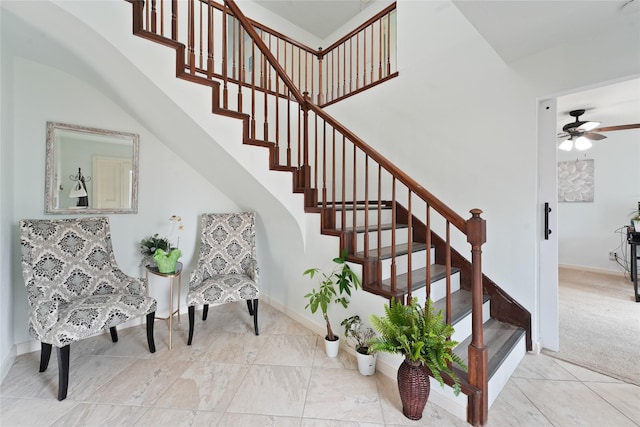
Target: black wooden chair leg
(192,318)
(114,334)
(255,316)
(45,355)
(63,371)
(250,307)
(205,311)
(150,320)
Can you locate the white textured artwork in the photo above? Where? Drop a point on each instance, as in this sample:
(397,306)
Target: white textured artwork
(575,181)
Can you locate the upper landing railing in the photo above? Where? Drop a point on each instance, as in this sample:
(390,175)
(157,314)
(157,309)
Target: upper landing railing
(218,46)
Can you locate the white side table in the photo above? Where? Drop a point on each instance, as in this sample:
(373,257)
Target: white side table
(178,273)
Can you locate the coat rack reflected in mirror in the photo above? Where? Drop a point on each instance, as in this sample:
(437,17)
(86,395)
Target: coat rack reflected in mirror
(90,170)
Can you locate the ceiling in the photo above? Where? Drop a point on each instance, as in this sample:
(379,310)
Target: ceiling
(318,17)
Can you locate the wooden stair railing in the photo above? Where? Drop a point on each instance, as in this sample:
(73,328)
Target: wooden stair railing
(360,60)
(340,175)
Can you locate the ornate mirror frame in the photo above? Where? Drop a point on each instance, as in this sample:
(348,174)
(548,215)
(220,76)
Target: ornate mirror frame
(99,165)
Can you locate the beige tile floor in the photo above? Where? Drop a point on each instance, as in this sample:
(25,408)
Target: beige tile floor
(230,377)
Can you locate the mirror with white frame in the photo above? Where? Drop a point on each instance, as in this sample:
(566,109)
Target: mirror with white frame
(89,170)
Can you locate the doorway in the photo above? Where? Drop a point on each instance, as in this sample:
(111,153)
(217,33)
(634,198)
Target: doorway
(613,103)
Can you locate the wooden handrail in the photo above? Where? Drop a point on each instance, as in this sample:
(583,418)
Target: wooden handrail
(364,25)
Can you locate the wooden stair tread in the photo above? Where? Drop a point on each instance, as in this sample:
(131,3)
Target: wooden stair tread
(418,279)
(349,206)
(401,249)
(460,304)
(374,227)
(499,339)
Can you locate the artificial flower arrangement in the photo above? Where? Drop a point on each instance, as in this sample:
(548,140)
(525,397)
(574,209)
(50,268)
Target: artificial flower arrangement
(161,249)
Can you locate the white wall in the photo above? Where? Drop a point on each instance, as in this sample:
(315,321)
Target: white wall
(589,231)
(6,196)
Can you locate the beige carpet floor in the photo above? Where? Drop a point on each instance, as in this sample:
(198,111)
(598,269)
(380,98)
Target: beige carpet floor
(599,324)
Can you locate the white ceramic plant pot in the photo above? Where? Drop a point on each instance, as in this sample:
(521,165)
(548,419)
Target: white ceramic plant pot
(366,363)
(332,347)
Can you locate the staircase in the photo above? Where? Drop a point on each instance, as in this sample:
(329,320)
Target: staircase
(403,237)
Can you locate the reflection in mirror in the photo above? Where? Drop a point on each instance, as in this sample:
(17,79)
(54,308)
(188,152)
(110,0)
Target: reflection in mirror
(90,170)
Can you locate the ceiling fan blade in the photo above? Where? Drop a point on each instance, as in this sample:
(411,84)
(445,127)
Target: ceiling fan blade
(563,134)
(587,126)
(620,127)
(594,136)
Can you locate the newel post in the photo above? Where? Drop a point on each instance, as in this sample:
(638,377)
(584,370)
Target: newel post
(305,169)
(478,357)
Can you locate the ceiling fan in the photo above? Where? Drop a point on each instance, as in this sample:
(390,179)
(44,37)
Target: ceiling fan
(580,133)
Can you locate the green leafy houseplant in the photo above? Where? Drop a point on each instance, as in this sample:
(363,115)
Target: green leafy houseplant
(342,277)
(149,245)
(420,335)
(635,218)
(357,333)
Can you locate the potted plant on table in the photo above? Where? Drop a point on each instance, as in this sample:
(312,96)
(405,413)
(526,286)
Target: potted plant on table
(150,245)
(424,339)
(345,279)
(359,336)
(159,251)
(635,219)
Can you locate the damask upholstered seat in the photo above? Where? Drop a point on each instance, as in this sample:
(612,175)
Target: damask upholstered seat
(75,288)
(227,269)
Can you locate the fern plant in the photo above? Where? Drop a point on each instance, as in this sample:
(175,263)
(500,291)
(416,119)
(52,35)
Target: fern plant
(421,335)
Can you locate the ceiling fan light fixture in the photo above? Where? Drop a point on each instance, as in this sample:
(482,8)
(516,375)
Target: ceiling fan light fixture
(583,143)
(566,145)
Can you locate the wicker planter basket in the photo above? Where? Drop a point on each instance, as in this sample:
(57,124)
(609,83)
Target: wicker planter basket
(414,386)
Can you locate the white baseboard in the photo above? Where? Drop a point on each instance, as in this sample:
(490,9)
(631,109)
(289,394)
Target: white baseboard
(591,269)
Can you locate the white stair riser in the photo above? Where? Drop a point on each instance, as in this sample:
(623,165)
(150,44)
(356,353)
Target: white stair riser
(402,237)
(463,326)
(418,260)
(385,217)
(438,289)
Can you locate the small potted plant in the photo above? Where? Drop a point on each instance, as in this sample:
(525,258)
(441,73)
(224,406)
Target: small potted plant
(635,219)
(149,245)
(342,277)
(159,251)
(424,339)
(359,335)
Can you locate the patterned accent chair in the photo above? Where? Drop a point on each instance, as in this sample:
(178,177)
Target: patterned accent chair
(75,288)
(227,269)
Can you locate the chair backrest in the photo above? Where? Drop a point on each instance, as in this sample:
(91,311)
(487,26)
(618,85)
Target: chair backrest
(227,244)
(64,259)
